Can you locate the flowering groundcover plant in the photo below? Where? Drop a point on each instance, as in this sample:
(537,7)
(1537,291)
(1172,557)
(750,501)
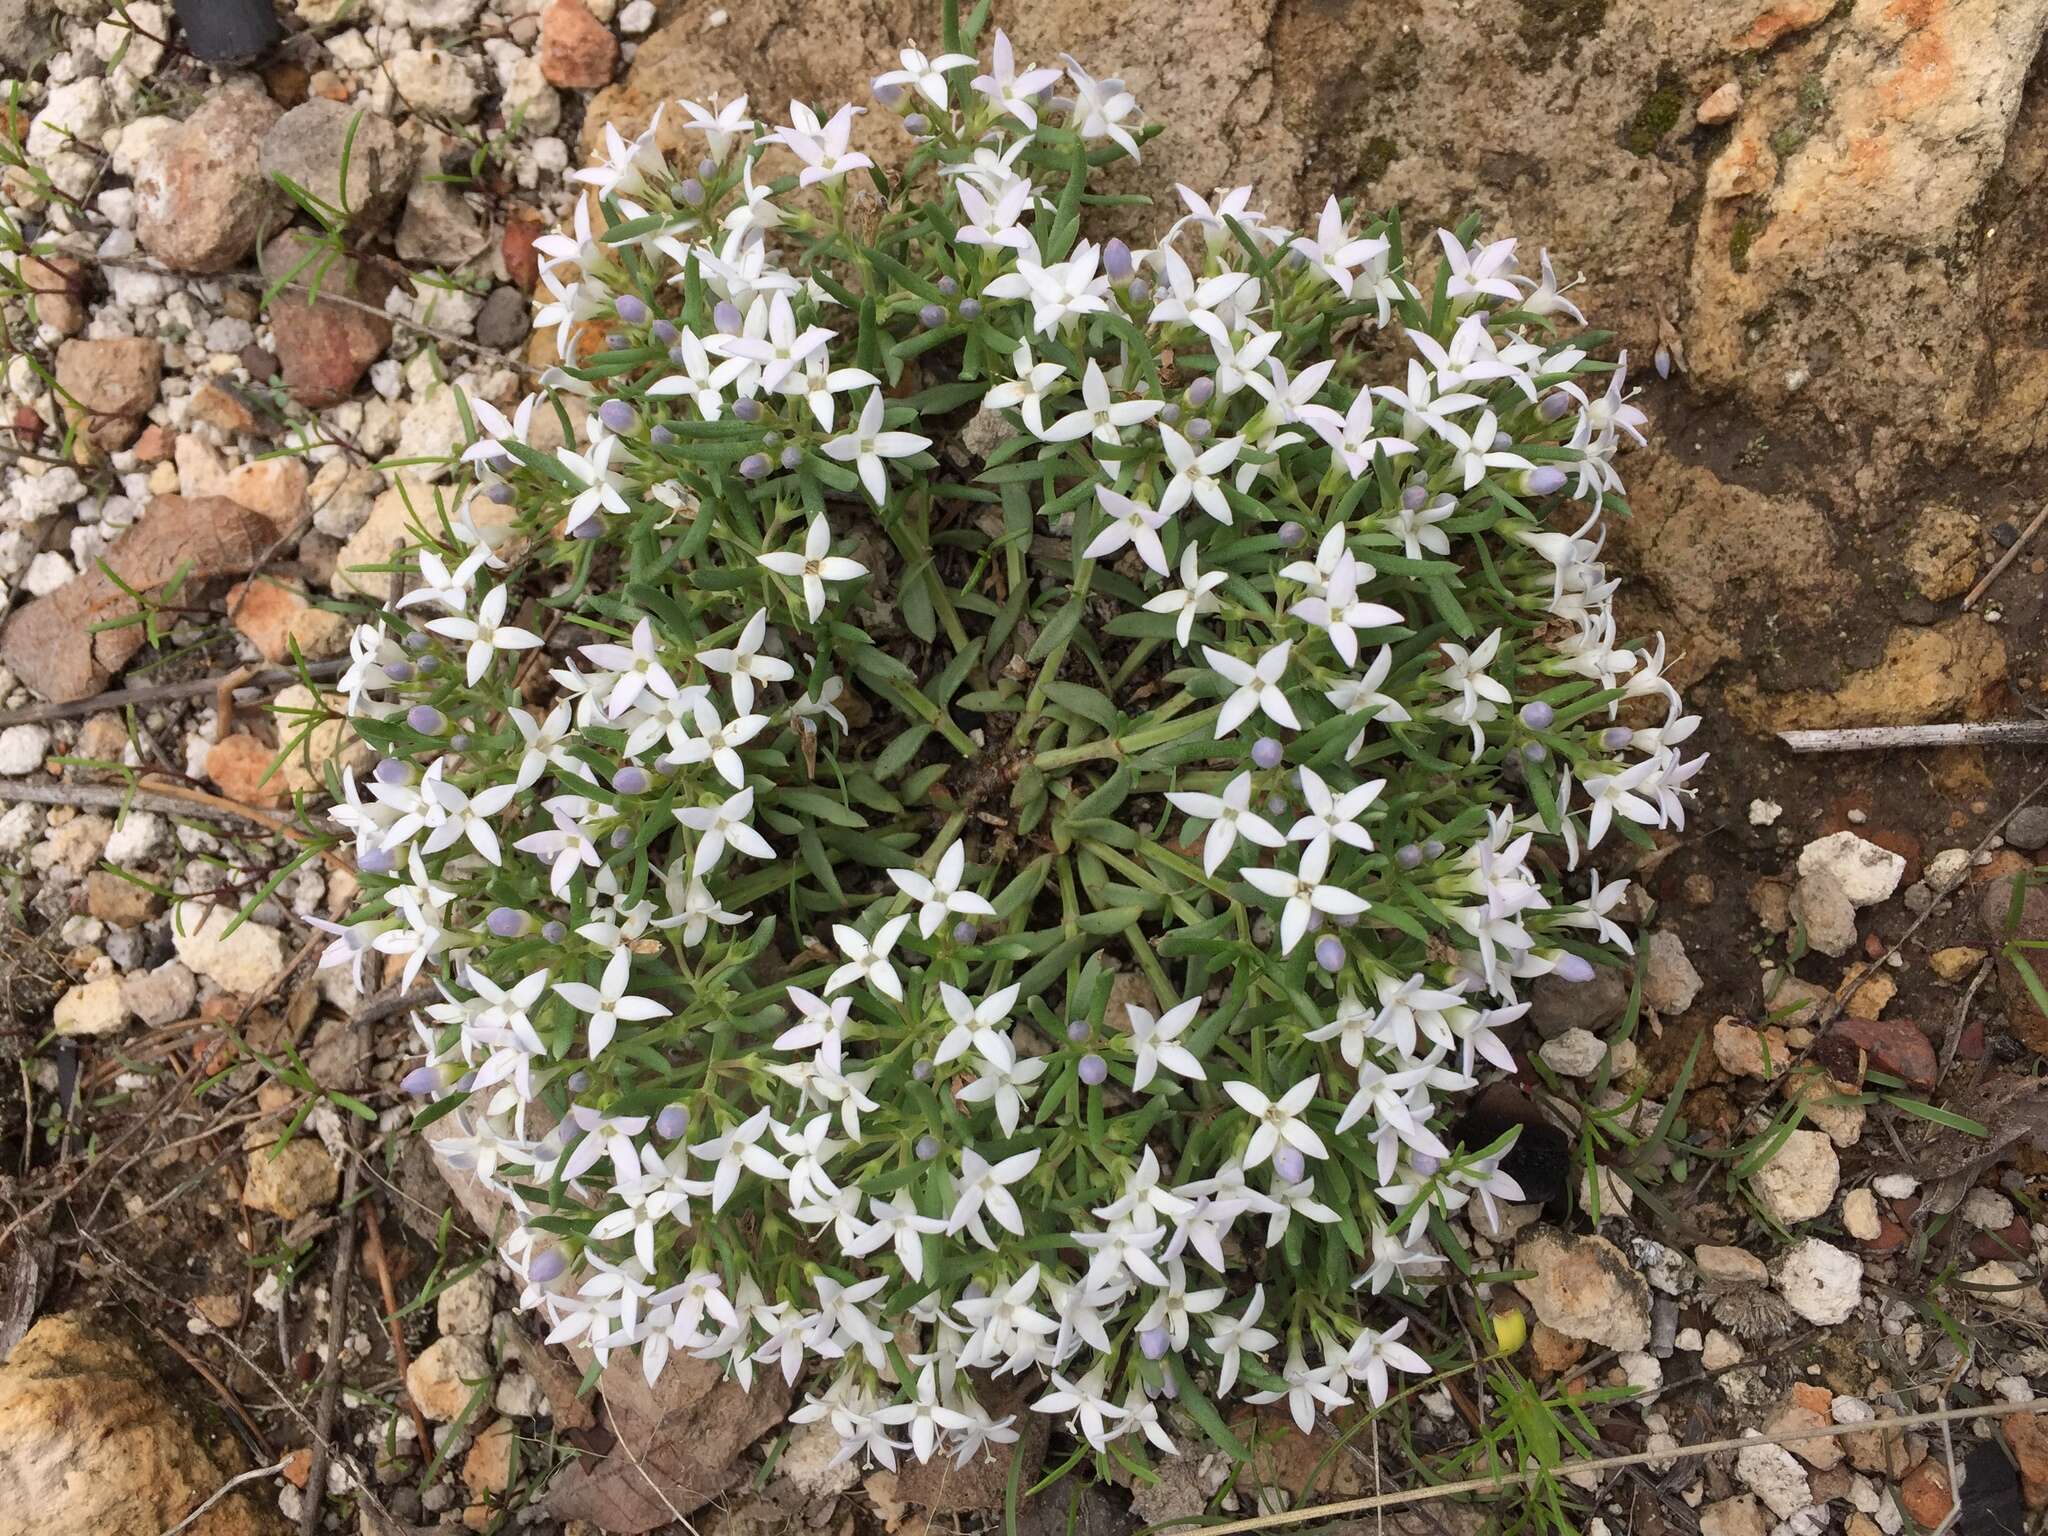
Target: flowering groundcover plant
(970,795)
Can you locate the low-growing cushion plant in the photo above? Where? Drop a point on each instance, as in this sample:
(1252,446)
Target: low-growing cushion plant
(972,796)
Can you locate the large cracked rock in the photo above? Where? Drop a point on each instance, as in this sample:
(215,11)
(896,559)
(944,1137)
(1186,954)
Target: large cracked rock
(92,1444)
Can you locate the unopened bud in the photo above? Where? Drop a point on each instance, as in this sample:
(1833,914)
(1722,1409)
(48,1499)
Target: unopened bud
(1543,480)
(631,308)
(1116,259)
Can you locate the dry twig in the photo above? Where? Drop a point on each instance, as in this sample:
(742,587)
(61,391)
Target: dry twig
(2012,554)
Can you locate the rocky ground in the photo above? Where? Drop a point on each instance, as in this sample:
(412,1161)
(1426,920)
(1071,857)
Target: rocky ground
(1812,224)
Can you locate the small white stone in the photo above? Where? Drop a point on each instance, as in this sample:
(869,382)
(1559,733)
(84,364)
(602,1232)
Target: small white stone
(1985,1208)
(1821,1282)
(1948,868)
(1719,1351)
(1895,1186)
(636,16)
(1765,813)
(22,749)
(1575,1053)
(1866,873)
(244,962)
(1773,1475)
(1799,1182)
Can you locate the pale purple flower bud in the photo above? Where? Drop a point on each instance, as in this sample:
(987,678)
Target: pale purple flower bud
(616,415)
(1408,856)
(615,341)
(622,837)
(692,190)
(970,309)
(1554,406)
(429,665)
(554,932)
(631,308)
(918,123)
(390,770)
(1289,1165)
(507,922)
(1116,259)
(931,317)
(664,332)
(771,440)
(631,780)
(1534,752)
(1615,737)
(755,465)
(927,1148)
(1574,968)
(727,317)
(418,640)
(1093,1070)
(1538,715)
(1169,413)
(1291,534)
(465,1082)
(707,168)
(1414,497)
(792,457)
(500,494)
(426,719)
(889,95)
(963,932)
(378,861)
(672,1122)
(398,671)
(459,742)
(1433,849)
(1154,1342)
(1345,920)
(589,528)
(578,1080)
(948,286)
(746,410)
(1330,953)
(1661,360)
(421,1081)
(1140,290)
(1543,480)
(1276,804)
(1201,392)
(1267,752)
(548,1265)
(1199,429)
(1077,1030)
(922,1069)
(660,436)
(1424,1163)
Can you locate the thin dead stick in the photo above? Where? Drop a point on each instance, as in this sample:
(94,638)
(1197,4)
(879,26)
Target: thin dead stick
(1881,738)
(373,1249)
(224,1490)
(164,799)
(2004,560)
(1596,1464)
(337,1325)
(164,693)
